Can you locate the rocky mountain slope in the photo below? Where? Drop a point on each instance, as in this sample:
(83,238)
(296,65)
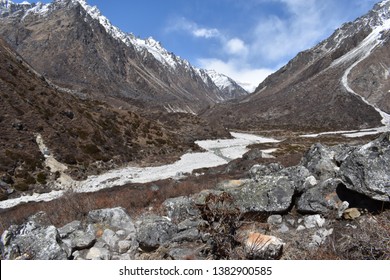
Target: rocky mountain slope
(75,46)
(87,135)
(340,84)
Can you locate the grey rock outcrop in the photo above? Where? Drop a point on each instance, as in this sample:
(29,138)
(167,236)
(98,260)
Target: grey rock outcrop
(320,161)
(154,231)
(320,199)
(367,169)
(180,208)
(33,240)
(271,194)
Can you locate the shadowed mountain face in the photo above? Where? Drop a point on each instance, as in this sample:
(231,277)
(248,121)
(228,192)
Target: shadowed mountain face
(73,45)
(322,88)
(77,132)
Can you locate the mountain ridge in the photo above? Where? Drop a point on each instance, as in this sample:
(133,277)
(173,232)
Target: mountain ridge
(145,71)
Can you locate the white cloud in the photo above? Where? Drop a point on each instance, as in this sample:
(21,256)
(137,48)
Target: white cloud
(205,33)
(247,77)
(183,24)
(271,40)
(236,46)
(279,38)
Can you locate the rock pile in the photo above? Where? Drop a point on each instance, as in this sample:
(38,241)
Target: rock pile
(258,216)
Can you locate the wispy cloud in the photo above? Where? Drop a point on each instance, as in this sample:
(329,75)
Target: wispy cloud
(277,38)
(183,24)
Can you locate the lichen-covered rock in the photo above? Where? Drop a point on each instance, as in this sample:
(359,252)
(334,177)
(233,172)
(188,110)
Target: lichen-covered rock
(260,170)
(271,194)
(367,169)
(300,176)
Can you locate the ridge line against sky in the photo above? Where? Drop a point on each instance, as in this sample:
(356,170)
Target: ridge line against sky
(244,39)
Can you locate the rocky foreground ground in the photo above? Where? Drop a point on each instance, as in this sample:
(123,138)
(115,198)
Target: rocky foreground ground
(333,205)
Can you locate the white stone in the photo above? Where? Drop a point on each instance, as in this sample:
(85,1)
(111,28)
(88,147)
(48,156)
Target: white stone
(314,221)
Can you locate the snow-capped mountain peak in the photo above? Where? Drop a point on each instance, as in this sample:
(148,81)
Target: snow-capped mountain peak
(163,68)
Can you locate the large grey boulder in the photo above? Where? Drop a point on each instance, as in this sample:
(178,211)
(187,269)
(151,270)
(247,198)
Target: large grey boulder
(36,239)
(271,194)
(153,231)
(300,176)
(321,199)
(320,161)
(367,169)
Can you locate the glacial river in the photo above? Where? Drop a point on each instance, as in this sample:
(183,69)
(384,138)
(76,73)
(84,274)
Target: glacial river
(217,152)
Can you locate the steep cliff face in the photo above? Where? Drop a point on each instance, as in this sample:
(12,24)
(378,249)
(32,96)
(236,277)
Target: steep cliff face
(342,83)
(74,45)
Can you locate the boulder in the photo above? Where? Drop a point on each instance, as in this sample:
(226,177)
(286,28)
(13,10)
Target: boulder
(275,220)
(180,208)
(300,176)
(320,199)
(367,169)
(34,239)
(124,246)
(79,240)
(154,231)
(115,218)
(66,230)
(320,161)
(271,194)
(110,238)
(188,235)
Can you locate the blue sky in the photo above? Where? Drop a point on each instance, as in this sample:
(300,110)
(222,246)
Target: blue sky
(244,39)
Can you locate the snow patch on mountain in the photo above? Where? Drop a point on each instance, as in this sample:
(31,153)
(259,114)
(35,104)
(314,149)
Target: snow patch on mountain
(361,52)
(220,80)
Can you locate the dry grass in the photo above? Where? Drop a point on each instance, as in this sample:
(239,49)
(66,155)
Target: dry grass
(367,238)
(135,198)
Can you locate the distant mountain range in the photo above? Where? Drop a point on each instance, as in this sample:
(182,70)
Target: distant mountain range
(75,46)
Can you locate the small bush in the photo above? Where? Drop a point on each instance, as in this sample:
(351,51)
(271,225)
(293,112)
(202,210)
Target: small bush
(223,220)
(22,187)
(41,178)
(90,149)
